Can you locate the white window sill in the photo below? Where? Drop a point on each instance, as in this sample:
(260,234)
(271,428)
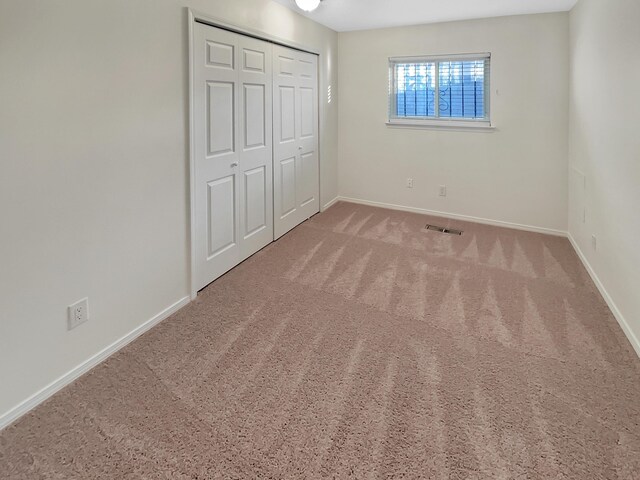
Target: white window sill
(480,125)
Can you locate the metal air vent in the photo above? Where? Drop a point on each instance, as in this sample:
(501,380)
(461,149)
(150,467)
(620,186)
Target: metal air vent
(449,231)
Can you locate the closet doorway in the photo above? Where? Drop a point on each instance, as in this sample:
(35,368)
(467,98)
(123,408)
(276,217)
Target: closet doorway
(254,160)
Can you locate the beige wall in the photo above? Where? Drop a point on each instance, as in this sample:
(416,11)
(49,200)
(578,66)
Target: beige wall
(604,193)
(517,173)
(94,184)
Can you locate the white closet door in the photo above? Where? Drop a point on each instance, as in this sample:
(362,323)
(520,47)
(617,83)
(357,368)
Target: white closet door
(295,130)
(256,149)
(232,150)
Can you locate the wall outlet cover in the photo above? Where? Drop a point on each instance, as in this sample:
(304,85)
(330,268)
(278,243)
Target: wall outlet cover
(78,313)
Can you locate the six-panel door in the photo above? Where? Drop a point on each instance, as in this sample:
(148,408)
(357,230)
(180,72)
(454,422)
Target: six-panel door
(233,175)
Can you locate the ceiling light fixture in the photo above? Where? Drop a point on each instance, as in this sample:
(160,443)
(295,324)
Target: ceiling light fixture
(308,5)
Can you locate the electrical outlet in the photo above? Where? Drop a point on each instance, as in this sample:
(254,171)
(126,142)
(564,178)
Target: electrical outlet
(78,313)
(409,182)
(594,242)
(443,190)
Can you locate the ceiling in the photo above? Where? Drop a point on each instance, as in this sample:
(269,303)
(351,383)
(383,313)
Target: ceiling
(347,15)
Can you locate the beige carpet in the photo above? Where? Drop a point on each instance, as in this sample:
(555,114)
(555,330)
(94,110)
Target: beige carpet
(361,346)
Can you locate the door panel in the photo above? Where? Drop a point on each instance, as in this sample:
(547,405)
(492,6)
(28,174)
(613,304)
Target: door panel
(221,215)
(233,160)
(286,64)
(254,116)
(255,182)
(307,122)
(287,115)
(308,186)
(295,113)
(307,67)
(254,60)
(220,114)
(220,54)
(288,186)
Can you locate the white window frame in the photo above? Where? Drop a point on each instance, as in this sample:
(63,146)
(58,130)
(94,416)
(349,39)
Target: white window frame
(439,122)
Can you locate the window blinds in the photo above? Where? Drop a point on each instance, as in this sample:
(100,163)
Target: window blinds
(447,87)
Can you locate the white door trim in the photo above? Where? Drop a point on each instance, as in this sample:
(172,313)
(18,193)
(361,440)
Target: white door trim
(201,17)
(194,16)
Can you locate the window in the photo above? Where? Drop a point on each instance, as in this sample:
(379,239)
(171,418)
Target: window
(448,90)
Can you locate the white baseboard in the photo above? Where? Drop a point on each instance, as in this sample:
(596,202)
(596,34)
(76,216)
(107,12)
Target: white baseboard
(607,298)
(454,216)
(331,203)
(36,399)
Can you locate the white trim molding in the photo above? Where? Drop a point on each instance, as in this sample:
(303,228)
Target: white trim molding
(455,216)
(36,399)
(330,204)
(201,17)
(438,124)
(631,336)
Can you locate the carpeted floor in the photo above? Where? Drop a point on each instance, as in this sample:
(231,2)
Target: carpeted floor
(362,346)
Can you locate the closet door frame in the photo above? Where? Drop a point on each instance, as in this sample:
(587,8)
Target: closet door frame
(193,17)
